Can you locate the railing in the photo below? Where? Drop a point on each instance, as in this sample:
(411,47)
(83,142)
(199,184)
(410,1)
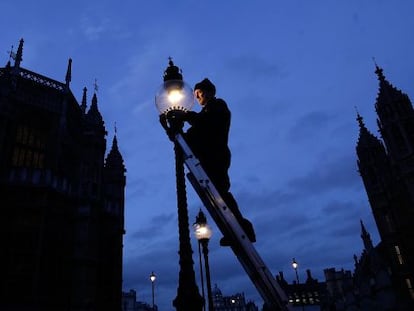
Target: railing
(32,76)
(26,74)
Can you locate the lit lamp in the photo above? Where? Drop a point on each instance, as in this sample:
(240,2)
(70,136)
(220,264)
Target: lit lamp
(173,100)
(295,267)
(152,278)
(203,234)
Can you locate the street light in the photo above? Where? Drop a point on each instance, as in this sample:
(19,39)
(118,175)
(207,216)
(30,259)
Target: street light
(195,225)
(173,99)
(152,278)
(203,234)
(295,266)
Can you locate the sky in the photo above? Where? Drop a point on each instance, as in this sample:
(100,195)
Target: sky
(294,74)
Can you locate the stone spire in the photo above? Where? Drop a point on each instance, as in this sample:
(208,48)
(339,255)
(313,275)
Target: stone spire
(366,139)
(93,115)
(390,101)
(19,54)
(366,238)
(83,104)
(69,72)
(373,163)
(114,159)
(395,119)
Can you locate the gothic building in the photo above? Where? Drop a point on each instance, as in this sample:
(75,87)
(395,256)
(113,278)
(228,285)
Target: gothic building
(369,287)
(236,302)
(386,166)
(311,294)
(61,197)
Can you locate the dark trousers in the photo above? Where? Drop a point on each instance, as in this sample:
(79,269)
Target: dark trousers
(221,181)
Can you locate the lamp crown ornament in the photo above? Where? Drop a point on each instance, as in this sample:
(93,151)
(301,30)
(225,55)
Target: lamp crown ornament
(172,72)
(201,218)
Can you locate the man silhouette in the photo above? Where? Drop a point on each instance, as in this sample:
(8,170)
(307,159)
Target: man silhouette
(208,139)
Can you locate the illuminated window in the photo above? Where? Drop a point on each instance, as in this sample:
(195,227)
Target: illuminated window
(410,287)
(389,223)
(29,148)
(399,256)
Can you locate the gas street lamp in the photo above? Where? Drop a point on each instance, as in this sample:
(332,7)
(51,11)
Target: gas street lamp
(152,279)
(203,234)
(295,267)
(173,99)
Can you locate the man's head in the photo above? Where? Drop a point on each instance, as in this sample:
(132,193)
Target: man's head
(204,91)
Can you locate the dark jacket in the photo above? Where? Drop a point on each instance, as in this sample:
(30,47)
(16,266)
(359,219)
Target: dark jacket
(208,138)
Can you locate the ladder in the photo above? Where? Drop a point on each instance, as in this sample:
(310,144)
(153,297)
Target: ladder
(274,297)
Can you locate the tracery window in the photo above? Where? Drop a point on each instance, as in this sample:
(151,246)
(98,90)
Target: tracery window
(29,148)
(410,287)
(399,255)
(389,223)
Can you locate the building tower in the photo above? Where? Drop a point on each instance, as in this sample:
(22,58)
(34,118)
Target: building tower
(386,166)
(61,202)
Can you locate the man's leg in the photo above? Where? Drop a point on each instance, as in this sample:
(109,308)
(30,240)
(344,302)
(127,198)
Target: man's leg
(220,179)
(244,223)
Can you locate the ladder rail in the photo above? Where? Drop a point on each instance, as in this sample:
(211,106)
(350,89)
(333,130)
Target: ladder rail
(262,278)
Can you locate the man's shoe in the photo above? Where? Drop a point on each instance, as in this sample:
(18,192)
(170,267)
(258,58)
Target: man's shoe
(224,242)
(248,228)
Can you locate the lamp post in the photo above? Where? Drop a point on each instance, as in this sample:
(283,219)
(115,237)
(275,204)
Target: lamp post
(152,278)
(295,267)
(173,100)
(203,234)
(196,226)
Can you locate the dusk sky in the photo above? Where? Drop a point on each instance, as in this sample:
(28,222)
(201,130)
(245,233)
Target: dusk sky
(294,74)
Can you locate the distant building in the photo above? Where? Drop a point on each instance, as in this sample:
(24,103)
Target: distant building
(387,170)
(130,303)
(340,290)
(236,302)
(61,197)
(369,287)
(310,294)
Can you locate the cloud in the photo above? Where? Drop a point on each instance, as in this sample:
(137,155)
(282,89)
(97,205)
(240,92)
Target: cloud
(336,173)
(92,28)
(309,125)
(254,68)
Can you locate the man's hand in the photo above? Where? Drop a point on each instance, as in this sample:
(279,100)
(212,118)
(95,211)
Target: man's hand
(190,116)
(164,123)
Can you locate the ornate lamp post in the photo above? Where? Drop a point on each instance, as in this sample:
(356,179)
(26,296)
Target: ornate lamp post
(295,267)
(203,234)
(152,278)
(173,100)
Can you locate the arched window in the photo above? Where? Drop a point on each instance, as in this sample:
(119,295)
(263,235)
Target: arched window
(29,148)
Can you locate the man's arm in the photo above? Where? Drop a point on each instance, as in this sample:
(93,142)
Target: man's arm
(191,117)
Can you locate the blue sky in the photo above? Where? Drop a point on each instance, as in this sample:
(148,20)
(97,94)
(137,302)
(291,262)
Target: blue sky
(294,73)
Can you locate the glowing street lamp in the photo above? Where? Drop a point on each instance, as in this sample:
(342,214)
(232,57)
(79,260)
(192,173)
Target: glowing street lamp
(173,99)
(295,267)
(152,278)
(203,234)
